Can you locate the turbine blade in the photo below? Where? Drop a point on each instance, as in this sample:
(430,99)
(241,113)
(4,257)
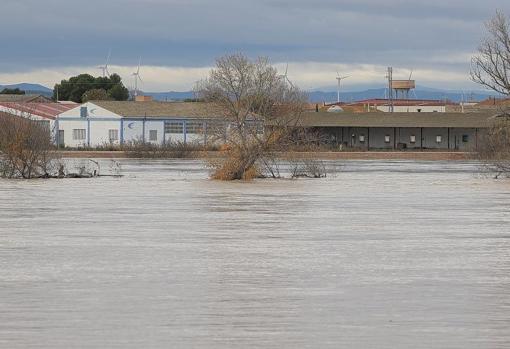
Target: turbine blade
(108,58)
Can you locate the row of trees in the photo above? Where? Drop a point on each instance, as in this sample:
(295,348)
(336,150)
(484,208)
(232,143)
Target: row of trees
(12,91)
(85,87)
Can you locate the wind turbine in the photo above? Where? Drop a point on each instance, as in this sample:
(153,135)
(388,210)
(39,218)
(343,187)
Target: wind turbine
(104,68)
(137,77)
(339,79)
(286,80)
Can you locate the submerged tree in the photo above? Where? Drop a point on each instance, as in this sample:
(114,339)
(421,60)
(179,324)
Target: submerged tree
(258,114)
(491,68)
(26,149)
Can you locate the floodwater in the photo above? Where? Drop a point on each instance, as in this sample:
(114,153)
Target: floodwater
(379,255)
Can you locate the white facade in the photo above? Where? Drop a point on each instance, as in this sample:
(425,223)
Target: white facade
(413,108)
(89,125)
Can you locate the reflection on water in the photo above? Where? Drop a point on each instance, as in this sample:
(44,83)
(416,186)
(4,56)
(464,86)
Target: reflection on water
(380,255)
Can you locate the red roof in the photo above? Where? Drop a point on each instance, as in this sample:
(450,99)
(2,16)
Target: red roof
(44,110)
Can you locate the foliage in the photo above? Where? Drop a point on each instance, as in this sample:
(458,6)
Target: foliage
(495,151)
(491,66)
(258,109)
(26,150)
(95,95)
(141,150)
(75,88)
(12,91)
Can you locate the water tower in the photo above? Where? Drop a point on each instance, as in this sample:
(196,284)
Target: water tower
(403,87)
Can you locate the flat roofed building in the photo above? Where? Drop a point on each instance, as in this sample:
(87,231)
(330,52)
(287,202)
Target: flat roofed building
(365,131)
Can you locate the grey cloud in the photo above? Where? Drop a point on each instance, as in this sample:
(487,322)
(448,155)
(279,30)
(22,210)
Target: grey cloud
(193,32)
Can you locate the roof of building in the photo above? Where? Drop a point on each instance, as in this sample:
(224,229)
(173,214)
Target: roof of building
(44,110)
(158,109)
(404,102)
(493,101)
(24,98)
(471,120)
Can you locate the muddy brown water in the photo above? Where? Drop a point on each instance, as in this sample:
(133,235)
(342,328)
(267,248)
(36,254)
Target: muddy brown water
(394,254)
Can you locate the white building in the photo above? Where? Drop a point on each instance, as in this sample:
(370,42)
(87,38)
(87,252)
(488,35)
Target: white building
(112,122)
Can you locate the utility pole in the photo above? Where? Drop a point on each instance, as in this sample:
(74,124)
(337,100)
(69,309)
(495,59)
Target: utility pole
(390,89)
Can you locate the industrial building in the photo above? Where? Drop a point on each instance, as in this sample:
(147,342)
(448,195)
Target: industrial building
(370,131)
(99,123)
(45,113)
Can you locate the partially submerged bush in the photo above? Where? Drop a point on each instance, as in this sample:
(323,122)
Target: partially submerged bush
(495,151)
(26,149)
(259,110)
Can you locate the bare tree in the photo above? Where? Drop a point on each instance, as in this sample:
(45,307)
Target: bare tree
(26,149)
(495,152)
(491,66)
(259,112)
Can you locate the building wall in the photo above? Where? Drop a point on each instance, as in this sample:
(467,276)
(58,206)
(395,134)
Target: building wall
(463,139)
(67,126)
(406,135)
(382,138)
(413,109)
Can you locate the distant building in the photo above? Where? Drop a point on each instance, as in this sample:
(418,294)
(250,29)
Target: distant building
(403,105)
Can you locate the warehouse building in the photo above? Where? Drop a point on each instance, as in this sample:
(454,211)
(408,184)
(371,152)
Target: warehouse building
(371,131)
(113,122)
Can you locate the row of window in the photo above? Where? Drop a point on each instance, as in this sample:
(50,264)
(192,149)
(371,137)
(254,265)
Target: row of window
(80,134)
(412,138)
(192,127)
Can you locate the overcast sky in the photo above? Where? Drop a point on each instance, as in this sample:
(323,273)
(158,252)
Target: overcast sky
(178,40)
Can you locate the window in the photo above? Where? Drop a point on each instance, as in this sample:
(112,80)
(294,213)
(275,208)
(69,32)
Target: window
(113,135)
(173,127)
(412,139)
(195,127)
(83,112)
(79,134)
(465,138)
(387,139)
(362,138)
(419,110)
(153,135)
(439,139)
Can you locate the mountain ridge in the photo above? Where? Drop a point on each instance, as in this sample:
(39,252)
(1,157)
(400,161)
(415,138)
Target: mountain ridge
(319,96)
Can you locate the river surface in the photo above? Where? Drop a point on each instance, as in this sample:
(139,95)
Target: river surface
(379,255)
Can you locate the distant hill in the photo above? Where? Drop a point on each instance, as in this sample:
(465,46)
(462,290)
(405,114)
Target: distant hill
(170,96)
(327,96)
(30,88)
(419,93)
